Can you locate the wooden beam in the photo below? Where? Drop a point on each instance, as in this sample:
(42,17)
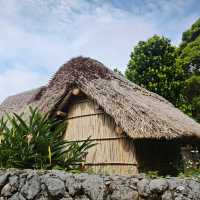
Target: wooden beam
(118,130)
(64,101)
(76,91)
(101,139)
(108,163)
(61,114)
(80,116)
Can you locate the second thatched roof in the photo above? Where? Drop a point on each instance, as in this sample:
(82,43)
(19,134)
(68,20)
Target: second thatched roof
(140,113)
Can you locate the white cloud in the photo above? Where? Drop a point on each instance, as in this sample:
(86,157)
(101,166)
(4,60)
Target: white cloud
(19,79)
(105,33)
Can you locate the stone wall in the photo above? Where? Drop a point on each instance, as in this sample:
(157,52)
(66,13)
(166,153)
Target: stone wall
(29,184)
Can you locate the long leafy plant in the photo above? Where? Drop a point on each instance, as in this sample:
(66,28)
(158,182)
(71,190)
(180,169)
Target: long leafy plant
(37,143)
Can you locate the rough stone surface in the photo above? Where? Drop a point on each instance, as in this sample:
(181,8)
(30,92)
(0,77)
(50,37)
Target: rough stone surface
(3,179)
(55,187)
(44,185)
(167,195)
(158,185)
(143,187)
(32,187)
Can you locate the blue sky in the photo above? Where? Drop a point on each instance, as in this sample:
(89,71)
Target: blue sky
(37,36)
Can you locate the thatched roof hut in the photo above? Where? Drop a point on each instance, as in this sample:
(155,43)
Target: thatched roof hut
(85,89)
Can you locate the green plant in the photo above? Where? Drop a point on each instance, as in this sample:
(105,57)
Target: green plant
(193,173)
(188,59)
(37,143)
(152,174)
(191,34)
(152,65)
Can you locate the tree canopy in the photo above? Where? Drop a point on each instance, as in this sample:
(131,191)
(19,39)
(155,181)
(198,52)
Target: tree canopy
(152,65)
(189,60)
(191,34)
(171,72)
(189,57)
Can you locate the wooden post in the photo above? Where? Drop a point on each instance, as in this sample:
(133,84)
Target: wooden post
(118,130)
(76,91)
(61,114)
(64,101)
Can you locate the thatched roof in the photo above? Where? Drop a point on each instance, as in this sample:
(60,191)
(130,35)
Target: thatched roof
(141,113)
(16,103)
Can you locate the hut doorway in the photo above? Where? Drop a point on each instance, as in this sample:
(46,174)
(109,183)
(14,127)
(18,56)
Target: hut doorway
(113,153)
(158,155)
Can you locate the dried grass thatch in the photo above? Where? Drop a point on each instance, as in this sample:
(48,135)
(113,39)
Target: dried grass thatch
(140,113)
(17,102)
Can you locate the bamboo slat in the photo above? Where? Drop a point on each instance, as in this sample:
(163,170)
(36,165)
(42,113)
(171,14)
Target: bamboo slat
(112,151)
(110,169)
(96,126)
(83,108)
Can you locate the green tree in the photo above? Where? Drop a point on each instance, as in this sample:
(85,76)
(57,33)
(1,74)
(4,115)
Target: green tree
(190,34)
(189,58)
(189,61)
(192,95)
(152,65)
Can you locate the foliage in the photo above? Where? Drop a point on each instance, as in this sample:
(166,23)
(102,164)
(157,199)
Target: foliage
(194,173)
(189,61)
(192,88)
(37,143)
(191,34)
(196,108)
(190,161)
(152,174)
(189,58)
(117,71)
(168,71)
(192,95)
(152,65)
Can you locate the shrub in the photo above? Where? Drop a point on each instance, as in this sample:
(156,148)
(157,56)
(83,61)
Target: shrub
(37,143)
(192,173)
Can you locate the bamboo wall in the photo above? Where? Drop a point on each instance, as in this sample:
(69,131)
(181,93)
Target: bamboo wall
(113,153)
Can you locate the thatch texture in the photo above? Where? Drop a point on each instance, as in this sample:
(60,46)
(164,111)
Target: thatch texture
(17,102)
(141,114)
